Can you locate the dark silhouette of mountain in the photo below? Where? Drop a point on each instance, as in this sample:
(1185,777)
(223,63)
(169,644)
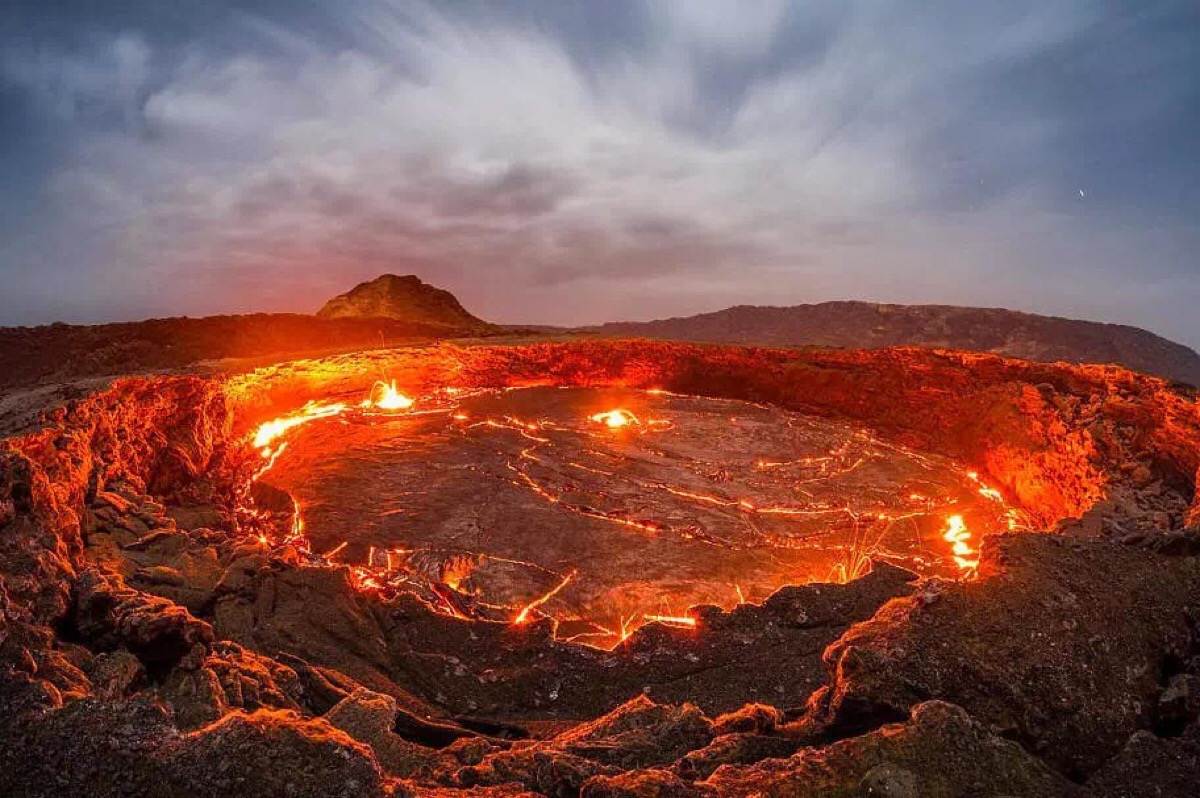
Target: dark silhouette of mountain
(871,325)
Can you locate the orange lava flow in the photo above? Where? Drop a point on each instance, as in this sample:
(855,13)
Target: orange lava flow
(523,615)
(269,431)
(672,620)
(391,570)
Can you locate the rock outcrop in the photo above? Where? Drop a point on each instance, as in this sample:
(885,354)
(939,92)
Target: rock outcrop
(406,298)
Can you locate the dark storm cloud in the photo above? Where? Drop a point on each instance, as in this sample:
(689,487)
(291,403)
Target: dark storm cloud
(575,161)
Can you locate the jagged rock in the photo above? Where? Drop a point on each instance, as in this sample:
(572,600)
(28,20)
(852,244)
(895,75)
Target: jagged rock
(545,770)
(92,747)
(123,748)
(370,718)
(498,791)
(240,573)
(1151,767)
(639,734)
(274,753)
(1032,647)
(1179,703)
(116,501)
(314,611)
(108,614)
(163,542)
(159,575)
(197,516)
(320,689)
(750,719)
(939,751)
(213,680)
(767,652)
(116,674)
(733,749)
(642,784)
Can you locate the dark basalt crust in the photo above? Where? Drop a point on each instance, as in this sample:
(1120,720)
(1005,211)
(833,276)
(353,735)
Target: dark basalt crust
(147,648)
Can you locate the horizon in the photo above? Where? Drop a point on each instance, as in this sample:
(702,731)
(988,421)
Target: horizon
(570,165)
(518,323)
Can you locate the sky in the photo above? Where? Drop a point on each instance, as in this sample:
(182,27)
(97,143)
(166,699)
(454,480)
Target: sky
(569,162)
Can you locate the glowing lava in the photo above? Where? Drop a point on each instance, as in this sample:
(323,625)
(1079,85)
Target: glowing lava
(958,536)
(384,396)
(268,432)
(493,490)
(523,615)
(615,419)
(671,620)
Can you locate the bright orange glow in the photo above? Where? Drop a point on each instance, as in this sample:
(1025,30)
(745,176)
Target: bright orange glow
(523,615)
(296,535)
(615,419)
(958,536)
(627,628)
(268,431)
(384,396)
(984,490)
(388,570)
(672,620)
(990,493)
(457,571)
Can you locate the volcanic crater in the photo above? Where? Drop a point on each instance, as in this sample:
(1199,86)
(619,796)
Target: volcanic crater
(610,506)
(607,568)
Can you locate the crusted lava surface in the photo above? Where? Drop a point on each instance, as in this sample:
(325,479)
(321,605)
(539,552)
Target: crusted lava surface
(178,616)
(670,501)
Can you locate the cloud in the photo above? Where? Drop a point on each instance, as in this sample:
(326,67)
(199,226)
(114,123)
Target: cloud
(738,29)
(731,152)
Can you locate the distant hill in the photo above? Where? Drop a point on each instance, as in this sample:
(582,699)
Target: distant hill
(405,298)
(871,325)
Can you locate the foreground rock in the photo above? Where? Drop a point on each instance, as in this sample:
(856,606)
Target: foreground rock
(508,674)
(1063,645)
(134,749)
(940,751)
(1152,766)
